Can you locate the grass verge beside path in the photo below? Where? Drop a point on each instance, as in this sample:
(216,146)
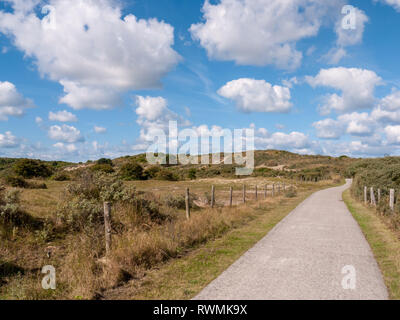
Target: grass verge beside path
(184,278)
(384,243)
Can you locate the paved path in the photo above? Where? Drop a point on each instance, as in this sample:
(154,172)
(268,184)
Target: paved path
(303,257)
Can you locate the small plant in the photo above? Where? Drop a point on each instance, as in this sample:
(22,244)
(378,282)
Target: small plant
(291,193)
(192,174)
(179,201)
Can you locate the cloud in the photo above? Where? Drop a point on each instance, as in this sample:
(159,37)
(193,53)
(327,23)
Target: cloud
(154,116)
(328,129)
(8,140)
(65,147)
(394,3)
(347,37)
(393,134)
(357,87)
(65,133)
(358,124)
(99,56)
(150,108)
(260,32)
(12,103)
(62,116)
(252,95)
(100,129)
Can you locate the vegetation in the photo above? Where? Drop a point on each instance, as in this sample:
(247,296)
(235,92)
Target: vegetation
(384,241)
(63,225)
(28,168)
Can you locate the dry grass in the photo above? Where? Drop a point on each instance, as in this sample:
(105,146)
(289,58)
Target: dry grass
(384,241)
(139,243)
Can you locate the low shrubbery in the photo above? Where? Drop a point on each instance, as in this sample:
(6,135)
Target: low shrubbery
(19,182)
(28,168)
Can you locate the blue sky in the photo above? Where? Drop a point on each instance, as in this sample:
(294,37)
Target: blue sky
(89,79)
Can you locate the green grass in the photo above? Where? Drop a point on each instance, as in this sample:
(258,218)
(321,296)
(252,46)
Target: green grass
(384,242)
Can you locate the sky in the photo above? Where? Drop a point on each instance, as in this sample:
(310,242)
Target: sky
(85,79)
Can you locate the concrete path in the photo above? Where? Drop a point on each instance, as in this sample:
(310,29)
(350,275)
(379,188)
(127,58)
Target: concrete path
(303,258)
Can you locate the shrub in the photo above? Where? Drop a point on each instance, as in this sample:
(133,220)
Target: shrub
(192,174)
(151,172)
(166,175)
(16,182)
(131,171)
(28,168)
(179,201)
(291,193)
(61,176)
(106,168)
(105,161)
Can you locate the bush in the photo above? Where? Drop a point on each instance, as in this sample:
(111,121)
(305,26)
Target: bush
(82,207)
(179,201)
(106,168)
(105,161)
(166,175)
(16,182)
(291,193)
(61,176)
(28,168)
(192,174)
(132,171)
(151,172)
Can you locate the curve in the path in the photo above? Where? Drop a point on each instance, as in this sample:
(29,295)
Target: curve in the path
(304,256)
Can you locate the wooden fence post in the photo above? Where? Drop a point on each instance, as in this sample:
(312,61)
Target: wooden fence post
(273,190)
(365,195)
(279,188)
(265,191)
(107,225)
(231,197)
(244,193)
(373,201)
(212,196)
(391,199)
(187,203)
(284,187)
(379,195)
(256,193)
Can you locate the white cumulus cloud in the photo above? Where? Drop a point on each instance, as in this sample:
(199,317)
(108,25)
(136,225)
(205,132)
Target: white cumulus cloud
(62,116)
(91,49)
(261,32)
(8,140)
(12,103)
(65,133)
(356,85)
(252,95)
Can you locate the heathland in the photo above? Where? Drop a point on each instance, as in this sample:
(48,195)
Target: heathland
(52,213)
